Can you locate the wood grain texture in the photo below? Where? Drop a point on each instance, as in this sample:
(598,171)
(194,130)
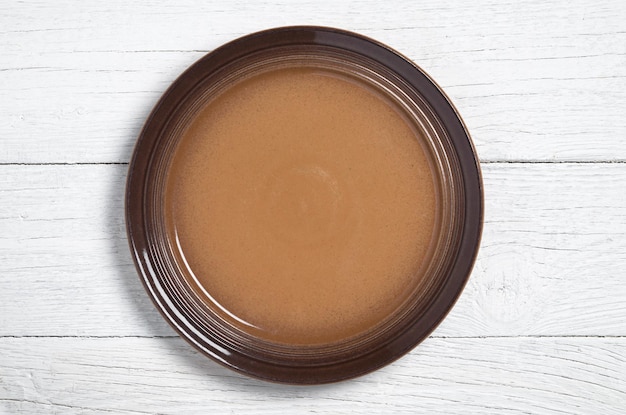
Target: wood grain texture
(551,263)
(538,330)
(443,376)
(534,80)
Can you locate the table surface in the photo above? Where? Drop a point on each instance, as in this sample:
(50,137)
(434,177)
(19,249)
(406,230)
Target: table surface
(541,326)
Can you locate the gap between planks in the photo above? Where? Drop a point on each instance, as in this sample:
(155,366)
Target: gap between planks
(530,336)
(125,163)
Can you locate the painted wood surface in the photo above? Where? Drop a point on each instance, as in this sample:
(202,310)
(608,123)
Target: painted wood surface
(552,258)
(541,326)
(534,80)
(165,376)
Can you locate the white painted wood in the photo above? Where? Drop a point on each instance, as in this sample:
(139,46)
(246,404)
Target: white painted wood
(534,80)
(540,327)
(552,259)
(443,376)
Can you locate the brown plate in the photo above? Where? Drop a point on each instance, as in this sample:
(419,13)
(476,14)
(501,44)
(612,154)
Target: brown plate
(457,229)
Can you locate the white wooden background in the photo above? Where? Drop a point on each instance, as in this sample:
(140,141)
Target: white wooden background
(541,327)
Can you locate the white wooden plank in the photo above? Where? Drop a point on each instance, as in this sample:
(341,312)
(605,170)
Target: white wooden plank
(442,376)
(552,259)
(534,80)
(63,244)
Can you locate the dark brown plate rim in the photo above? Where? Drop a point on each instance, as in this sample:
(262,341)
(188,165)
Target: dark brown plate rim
(409,72)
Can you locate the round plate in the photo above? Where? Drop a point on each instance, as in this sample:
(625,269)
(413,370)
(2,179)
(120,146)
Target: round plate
(175,300)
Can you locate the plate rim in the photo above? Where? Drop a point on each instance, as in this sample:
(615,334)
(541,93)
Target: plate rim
(442,106)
